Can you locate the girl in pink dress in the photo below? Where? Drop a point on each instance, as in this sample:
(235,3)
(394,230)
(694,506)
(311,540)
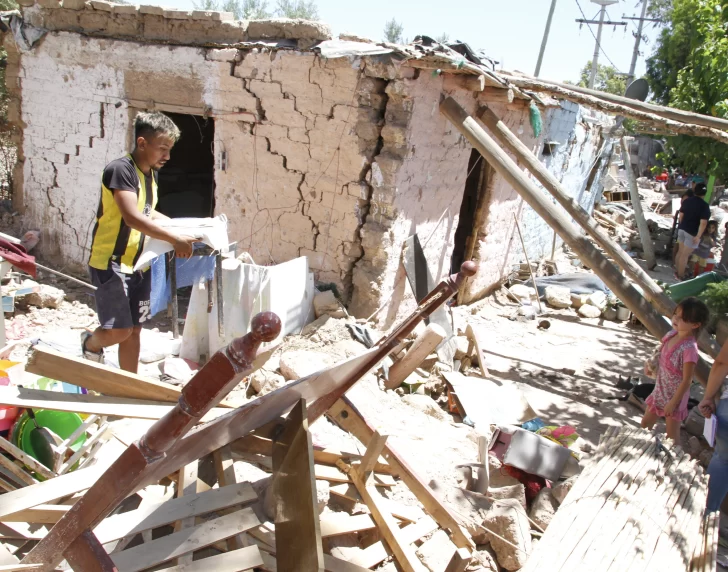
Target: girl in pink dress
(678,356)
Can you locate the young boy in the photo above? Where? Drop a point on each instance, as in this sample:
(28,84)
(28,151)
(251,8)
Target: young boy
(124,218)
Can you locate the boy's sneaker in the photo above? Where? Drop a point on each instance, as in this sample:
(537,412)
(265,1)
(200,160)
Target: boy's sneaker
(98,357)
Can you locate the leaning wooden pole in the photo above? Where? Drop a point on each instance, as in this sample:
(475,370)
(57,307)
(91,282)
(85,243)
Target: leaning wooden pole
(525,157)
(639,215)
(589,255)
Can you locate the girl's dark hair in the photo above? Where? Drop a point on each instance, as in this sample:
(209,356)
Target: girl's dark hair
(694,311)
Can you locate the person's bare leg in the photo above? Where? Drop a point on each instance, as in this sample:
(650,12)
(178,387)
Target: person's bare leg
(648,420)
(682,259)
(673,429)
(102,338)
(129,351)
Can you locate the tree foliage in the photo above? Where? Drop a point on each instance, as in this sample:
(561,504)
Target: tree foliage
(258,9)
(393,31)
(608,79)
(689,70)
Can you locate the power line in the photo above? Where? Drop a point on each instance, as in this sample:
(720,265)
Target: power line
(595,37)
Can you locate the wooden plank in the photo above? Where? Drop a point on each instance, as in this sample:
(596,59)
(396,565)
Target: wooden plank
(459,561)
(50,490)
(89,404)
(186,486)
(374,449)
(179,543)
(102,432)
(294,490)
(334,475)
(41,514)
(20,567)
(225,470)
(388,528)
(337,524)
(160,514)
(20,475)
(478,336)
(99,377)
(377,552)
(347,416)
(234,561)
(66,443)
(26,459)
(398,510)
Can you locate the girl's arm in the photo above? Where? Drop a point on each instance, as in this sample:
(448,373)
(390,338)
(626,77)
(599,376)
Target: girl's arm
(688,370)
(717,374)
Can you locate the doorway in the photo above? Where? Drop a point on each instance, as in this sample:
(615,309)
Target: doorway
(472,210)
(187,181)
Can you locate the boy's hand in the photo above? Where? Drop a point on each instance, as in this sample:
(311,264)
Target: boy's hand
(183,246)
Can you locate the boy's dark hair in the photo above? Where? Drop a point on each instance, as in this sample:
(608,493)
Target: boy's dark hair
(689,193)
(701,190)
(694,311)
(154,123)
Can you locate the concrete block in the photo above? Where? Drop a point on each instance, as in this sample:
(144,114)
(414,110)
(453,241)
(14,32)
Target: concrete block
(100,5)
(288,28)
(49,3)
(123,25)
(74,4)
(94,21)
(436,552)
(177,14)
(224,55)
(154,10)
(124,9)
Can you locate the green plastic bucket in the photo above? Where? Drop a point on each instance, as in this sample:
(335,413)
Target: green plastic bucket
(61,423)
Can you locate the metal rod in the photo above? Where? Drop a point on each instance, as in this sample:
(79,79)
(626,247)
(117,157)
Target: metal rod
(66,276)
(218,284)
(173,288)
(533,278)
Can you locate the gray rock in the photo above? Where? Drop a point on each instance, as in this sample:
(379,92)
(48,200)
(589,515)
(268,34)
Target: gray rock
(558,296)
(436,552)
(578,300)
(562,489)
(695,422)
(46,297)
(515,492)
(510,523)
(300,363)
(470,508)
(326,303)
(263,381)
(543,508)
(589,311)
(598,299)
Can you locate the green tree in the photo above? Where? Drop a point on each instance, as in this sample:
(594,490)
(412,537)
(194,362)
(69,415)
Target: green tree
(243,10)
(608,79)
(660,9)
(689,70)
(393,31)
(297,9)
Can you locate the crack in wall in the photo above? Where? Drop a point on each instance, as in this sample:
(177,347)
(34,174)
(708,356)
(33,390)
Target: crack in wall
(61,213)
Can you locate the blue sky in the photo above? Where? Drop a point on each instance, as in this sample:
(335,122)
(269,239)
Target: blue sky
(509,31)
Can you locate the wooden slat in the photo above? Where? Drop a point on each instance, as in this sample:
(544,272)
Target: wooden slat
(160,514)
(459,561)
(388,528)
(50,490)
(334,475)
(102,432)
(179,543)
(377,552)
(26,459)
(20,475)
(89,404)
(234,561)
(374,449)
(348,417)
(398,510)
(337,524)
(186,486)
(225,470)
(41,514)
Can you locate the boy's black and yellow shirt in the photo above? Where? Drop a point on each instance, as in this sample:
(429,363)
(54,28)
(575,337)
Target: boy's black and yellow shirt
(112,238)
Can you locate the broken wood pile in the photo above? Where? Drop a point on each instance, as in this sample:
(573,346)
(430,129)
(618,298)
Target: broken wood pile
(638,505)
(135,499)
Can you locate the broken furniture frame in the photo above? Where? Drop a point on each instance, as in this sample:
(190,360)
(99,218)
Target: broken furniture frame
(170,445)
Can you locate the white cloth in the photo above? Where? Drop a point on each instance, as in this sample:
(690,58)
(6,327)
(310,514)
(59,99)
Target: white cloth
(211,231)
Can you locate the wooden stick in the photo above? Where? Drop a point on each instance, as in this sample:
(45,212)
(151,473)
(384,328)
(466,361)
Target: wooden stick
(459,561)
(26,459)
(21,476)
(647,246)
(66,443)
(186,486)
(423,346)
(376,445)
(100,434)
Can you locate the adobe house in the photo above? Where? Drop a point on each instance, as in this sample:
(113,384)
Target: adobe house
(332,149)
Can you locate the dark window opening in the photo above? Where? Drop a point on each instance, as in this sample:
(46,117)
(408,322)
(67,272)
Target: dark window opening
(472,210)
(187,181)
(546,149)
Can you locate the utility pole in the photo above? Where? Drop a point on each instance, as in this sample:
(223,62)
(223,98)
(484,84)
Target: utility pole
(601,23)
(545,38)
(637,40)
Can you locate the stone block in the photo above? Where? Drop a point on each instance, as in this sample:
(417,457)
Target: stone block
(212,16)
(300,363)
(510,523)
(49,3)
(469,507)
(543,508)
(94,21)
(124,9)
(123,25)
(177,14)
(100,5)
(558,296)
(154,10)
(589,311)
(436,552)
(513,491)
(598,299)
(326,303)
(694,423)
(224,55)
(289,29)
(560,490)
(46,297)
(263,381)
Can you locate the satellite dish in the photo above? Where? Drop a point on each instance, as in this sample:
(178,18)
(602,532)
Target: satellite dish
(638,89)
